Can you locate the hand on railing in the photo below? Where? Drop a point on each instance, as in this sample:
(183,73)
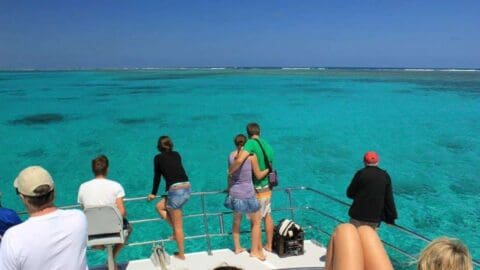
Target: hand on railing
(150,197)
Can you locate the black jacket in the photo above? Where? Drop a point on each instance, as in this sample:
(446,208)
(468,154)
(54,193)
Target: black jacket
(371,191)
(168,164)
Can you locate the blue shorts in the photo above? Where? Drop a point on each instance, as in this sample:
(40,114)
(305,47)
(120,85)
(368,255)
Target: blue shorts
(178,197)
(244,206)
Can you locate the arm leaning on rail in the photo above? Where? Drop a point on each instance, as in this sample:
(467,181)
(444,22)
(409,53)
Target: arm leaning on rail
(157,175)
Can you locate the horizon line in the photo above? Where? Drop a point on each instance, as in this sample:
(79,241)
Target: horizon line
(413,68)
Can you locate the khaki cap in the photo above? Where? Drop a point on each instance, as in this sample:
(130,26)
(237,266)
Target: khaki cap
(31,178)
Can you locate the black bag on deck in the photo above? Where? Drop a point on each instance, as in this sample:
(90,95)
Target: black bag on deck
(288,239)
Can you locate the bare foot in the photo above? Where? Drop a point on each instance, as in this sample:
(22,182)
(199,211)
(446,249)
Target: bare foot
(239,250)
(179,256)
(260,257)
(269,249)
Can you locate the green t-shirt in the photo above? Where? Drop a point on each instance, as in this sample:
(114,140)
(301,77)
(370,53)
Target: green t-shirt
(253,147)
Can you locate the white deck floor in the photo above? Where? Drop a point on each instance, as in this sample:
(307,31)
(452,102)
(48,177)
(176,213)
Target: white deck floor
(313,258)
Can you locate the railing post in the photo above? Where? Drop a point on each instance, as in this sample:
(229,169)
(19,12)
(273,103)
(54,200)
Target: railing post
(220,221)
(205,224)
(289,192)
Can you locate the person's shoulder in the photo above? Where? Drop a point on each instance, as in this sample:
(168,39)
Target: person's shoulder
(70,212)
(250,145)
(9,216)
(250,142)
(7,212)
(74,217)
(386,174)
(13,233)
(158,157)
(264,141)
(381,170)
(167,155)
(362,169)
(88,183)
(112,182)
(73,213)
(18,229)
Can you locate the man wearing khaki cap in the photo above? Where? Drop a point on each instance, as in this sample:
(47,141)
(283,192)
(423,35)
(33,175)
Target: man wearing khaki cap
(50,238)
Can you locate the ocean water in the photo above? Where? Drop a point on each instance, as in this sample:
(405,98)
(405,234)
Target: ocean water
(424,125)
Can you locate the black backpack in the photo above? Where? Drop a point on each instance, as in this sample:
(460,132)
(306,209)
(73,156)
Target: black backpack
(288,239)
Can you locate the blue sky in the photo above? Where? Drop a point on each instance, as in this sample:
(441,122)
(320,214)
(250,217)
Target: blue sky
(105,33)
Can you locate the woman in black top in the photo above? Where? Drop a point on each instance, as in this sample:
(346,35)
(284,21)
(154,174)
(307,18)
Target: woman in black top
(169,164)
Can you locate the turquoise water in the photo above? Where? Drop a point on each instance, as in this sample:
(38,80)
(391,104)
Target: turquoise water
(424,125)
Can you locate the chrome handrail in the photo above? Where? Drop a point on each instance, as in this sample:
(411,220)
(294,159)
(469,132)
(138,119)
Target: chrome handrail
(207,236)
(396,226)
(205,224)
(399,227)
(291,209)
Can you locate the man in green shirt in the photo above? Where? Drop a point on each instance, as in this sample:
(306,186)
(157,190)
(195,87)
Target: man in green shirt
(254,145)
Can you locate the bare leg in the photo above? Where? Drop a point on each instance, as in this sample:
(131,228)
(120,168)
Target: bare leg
(375,256)
(118,247)
(162,210)
(269,231)
(237,218)
(177,221)
(256,249)
(329,260)
(116,250)
(345,249)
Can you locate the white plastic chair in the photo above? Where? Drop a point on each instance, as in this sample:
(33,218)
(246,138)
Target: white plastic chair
(105,227)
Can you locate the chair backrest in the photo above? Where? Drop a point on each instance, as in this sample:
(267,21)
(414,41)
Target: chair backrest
(105,225)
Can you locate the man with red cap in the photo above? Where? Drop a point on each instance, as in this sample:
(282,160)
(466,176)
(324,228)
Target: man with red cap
(371,191)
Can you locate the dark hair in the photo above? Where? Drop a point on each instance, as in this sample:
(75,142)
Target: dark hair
(100,165)
(165,144)
(239,140)
(253,129)
(41,202)
(227,268)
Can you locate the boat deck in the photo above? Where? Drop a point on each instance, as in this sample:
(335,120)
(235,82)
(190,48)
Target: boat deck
(312,259)
(214,226)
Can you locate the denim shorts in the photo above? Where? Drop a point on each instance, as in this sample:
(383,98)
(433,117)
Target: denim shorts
(244,206)
(176,198)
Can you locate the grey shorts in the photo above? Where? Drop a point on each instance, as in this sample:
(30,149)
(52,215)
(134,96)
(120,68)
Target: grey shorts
(265,206)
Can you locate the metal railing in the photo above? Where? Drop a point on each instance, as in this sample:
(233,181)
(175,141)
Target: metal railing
(289,208)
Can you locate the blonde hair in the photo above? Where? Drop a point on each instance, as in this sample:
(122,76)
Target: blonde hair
(445,254)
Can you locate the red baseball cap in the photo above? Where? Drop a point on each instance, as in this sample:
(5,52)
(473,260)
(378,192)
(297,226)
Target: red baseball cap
(371,157)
